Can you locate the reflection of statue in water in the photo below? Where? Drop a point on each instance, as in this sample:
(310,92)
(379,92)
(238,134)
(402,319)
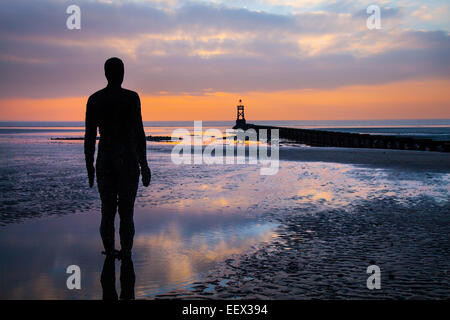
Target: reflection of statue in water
(121,155)
(127,279)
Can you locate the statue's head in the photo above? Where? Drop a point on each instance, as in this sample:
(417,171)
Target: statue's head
(114,71)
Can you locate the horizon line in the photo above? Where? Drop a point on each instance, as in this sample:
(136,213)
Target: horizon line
(376,119)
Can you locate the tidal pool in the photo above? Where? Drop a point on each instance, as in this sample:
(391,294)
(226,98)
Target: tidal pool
(172,249)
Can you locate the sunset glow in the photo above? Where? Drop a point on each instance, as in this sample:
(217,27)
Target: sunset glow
(304,60)
(404,100)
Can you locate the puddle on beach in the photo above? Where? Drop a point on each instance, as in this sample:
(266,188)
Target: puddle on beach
(172,249)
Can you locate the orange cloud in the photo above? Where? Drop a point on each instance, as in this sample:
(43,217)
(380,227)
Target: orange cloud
(403,100)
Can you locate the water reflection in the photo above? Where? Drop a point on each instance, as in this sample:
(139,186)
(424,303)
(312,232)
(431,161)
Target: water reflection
(172,249)
(309,194)
(127,279)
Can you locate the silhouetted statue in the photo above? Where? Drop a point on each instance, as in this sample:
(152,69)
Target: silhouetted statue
(127,279)
(121,155)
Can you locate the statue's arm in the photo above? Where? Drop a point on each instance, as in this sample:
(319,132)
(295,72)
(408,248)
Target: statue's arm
(142,147)
(90,136)
(142,141)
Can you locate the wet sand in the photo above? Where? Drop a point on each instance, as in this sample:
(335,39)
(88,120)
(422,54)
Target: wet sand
(381,158)
(324,254)
(172,249)
(334,218)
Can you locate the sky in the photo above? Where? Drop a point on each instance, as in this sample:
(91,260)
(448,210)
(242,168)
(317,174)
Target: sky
(193,60)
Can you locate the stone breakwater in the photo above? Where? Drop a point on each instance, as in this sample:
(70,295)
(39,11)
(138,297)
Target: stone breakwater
(322,138)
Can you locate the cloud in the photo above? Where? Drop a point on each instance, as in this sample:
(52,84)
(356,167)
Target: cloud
(192,47)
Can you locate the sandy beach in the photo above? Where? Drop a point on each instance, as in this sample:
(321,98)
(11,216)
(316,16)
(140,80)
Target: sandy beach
(226,231)
(323,254)
(380,158)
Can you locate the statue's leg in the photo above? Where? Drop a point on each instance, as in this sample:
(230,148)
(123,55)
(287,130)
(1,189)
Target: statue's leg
(127,193)
(107,187)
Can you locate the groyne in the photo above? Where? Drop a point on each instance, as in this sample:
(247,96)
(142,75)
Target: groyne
(324,138)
